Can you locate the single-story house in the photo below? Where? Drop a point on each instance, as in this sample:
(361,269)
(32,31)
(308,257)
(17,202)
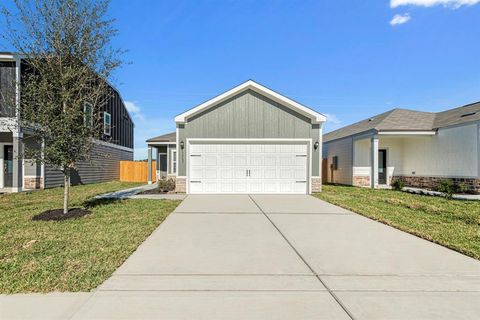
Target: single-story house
(17,173)
(420,148)
(249,139)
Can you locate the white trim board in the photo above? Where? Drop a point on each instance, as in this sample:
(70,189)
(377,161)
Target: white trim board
(112,145)
(406,133)
(252,85)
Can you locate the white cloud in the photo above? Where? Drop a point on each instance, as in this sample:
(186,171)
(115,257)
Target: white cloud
(332,118)
(400,19)
(333,122)
(430,3)
(134,109)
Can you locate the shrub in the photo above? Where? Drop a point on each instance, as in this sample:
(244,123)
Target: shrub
(447,188)
(462,188)
(165,185)
(398,185)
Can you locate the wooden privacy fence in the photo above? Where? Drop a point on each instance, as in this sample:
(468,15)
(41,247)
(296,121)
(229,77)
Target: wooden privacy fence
(136,171)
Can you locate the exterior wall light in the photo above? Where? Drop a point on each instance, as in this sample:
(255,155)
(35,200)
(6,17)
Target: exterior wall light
(182,144)
(316,144)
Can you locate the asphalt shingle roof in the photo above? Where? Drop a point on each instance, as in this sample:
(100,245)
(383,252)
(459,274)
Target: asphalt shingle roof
(409,120)
(169,137)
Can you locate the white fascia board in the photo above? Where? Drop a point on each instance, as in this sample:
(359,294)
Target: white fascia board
(7,57)
(250,84)
(407,133)
(160,143)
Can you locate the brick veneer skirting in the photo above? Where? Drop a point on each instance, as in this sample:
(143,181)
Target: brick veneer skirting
(431,183)
(316,184)
(32,182)
(361,181)
(181,185)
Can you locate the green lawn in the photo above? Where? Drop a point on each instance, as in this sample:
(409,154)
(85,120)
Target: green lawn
(76,254)
(452,223)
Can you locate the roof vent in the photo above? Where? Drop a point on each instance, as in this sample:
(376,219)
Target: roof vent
(468,114)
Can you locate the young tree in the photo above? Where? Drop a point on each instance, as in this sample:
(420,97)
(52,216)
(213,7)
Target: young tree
(68,57)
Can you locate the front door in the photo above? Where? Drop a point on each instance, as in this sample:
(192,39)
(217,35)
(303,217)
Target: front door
(7,166)
(382,166)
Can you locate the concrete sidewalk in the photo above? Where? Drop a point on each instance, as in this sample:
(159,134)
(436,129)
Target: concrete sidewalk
(284,257)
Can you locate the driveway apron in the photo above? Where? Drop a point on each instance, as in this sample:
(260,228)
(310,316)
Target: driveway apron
(284,257)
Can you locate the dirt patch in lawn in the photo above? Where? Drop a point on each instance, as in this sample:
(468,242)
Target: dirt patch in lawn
(58,215)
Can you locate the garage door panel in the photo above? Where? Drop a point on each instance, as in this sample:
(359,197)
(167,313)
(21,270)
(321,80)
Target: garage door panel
(300,186)
(210,160)
(270,160)
(240,148)
(196,148)
(248,168)
(196,173)
(196,160)
(210,187)
(196,187)
(226,186)
(240,160)
(210,173)
(226,160)
(240,186)
(299,174)
(240,172)
(256,173)
(270,173)
(226,173)
(257,160)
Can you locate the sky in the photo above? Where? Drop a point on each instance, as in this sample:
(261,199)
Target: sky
(346,59)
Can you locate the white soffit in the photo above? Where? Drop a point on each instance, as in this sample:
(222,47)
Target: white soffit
(252,85)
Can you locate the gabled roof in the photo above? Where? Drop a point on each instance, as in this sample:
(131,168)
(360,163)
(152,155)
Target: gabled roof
(409,120)
(252,85)
(169,137)
(396,119)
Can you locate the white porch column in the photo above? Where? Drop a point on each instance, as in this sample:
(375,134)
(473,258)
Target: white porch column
(150,165)
(374,162)
(17,168)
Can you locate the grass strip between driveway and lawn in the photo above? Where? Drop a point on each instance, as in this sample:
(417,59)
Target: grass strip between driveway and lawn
(75,254)
(452,223)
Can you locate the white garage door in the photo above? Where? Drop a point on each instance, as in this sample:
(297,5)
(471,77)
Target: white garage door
(248,168)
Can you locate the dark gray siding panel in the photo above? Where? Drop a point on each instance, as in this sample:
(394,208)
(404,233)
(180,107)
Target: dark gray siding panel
(122,125)
(6,137)
(7,88)
(104,166)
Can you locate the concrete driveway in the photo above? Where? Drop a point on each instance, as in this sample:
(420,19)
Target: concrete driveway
(284,257)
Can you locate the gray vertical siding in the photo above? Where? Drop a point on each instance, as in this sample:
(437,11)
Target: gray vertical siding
(249,115)
(7,88)
(104,166)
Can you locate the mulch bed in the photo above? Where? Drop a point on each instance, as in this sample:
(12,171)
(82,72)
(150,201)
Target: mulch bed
(156,191)
(58,215)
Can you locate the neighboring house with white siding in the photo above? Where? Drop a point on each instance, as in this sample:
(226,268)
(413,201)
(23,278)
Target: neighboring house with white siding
(420,148)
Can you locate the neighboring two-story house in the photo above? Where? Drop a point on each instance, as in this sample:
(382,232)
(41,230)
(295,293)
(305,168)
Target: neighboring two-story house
(17,173)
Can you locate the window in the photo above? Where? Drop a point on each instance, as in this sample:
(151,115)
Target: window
(107,123)
(88,114)
(174,161)
(335,163)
